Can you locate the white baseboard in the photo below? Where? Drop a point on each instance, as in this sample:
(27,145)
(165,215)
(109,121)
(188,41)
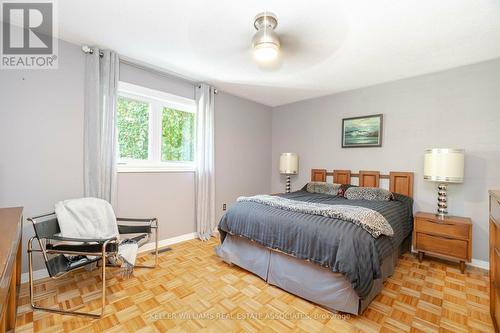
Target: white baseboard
(37,275)
(480,264)
(168,241)
(42,273)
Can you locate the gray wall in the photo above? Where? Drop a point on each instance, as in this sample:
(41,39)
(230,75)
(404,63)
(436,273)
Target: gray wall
(456,108)
(169,196)
(41,150)
(242,149)
(154,80)
(41,136)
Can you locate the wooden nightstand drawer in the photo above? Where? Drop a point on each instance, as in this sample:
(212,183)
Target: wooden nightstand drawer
(442,228)
(444,246)
(495,208)
(449,237)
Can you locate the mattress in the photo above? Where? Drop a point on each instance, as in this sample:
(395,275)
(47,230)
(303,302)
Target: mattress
(334,244)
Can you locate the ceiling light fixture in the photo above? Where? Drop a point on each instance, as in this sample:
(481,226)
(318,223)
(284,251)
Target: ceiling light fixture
(265,42)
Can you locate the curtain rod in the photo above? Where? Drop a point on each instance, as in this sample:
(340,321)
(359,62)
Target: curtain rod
(215,89)
(87,49)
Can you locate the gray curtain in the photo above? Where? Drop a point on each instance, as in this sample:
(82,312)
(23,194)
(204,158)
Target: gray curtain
(101,83)
(205,169)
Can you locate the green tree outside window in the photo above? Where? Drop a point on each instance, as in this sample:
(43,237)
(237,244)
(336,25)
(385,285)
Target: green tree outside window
(178,135)
(133,129)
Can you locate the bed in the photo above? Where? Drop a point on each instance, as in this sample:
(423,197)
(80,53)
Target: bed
(329,261)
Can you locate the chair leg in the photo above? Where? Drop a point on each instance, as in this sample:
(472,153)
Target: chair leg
(156,244)
(30,271)
(32,291)
(103,277)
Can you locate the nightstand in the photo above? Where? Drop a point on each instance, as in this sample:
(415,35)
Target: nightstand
(449,238)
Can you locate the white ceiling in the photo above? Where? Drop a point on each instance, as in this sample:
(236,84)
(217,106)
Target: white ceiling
(328,45)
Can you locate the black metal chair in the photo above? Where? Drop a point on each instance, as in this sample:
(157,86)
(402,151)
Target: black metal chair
(54,249)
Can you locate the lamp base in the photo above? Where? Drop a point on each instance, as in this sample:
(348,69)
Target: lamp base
(287,188)
(442,203)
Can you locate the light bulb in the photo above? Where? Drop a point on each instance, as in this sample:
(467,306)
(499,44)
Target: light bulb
(266,52)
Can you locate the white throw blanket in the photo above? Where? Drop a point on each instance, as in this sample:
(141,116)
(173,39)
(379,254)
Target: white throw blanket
(368,219)
(93,218)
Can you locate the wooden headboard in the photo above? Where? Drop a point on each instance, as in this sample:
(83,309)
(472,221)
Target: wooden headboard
(399,182)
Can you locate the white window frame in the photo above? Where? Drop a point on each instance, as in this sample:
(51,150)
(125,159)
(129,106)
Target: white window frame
(157,101)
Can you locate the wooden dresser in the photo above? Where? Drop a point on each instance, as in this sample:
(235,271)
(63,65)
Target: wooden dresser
(450,238)
(10,265)
(495,257)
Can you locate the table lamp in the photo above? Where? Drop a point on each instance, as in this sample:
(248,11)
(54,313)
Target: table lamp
(289,165)
(443,165)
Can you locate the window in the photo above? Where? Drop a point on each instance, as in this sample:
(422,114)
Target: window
(156,130)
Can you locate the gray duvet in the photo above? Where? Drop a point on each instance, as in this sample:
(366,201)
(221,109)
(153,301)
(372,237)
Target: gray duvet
(340,245)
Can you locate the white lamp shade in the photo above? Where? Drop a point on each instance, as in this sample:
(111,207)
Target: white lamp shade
(289,163)
(444,165)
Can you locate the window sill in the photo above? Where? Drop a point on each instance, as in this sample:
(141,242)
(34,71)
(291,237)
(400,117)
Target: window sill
(153,169)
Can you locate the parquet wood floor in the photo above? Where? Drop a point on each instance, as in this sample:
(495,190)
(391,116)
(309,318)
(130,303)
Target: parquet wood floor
(194,291)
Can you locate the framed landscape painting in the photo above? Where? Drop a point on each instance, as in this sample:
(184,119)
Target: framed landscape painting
(363,131)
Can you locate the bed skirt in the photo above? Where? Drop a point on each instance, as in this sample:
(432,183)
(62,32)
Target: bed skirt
(302,278)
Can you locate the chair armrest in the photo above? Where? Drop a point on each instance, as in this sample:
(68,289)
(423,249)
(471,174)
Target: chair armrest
(82,240)
(149,222)
(130,219)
